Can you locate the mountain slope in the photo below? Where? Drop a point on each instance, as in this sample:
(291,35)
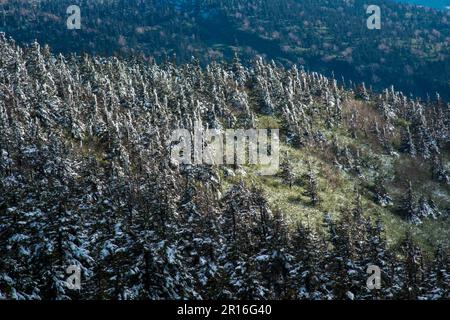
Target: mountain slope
(87,180)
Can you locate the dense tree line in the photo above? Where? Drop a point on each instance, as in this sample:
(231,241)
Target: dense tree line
(86,179)
(410,51)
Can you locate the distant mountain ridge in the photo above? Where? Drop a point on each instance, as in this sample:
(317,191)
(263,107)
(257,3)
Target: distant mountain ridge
(411,51)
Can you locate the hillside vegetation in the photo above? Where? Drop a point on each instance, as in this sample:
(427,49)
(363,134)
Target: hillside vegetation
(86,179)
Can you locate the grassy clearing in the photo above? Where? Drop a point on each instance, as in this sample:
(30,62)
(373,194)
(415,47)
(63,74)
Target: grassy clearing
(337,190)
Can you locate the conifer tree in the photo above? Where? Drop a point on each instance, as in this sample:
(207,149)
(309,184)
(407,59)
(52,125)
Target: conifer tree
(411,265)
(408,206)
(408,143)
(286,172)
(311,185)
